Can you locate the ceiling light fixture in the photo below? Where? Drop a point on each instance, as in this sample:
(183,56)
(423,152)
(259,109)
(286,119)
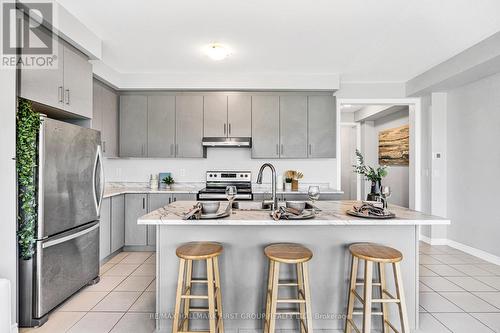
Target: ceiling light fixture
(217,51)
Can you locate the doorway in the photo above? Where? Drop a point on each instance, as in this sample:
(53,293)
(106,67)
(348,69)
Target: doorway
(350,137)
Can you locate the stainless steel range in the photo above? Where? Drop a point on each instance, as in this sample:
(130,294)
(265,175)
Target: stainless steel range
(217,181)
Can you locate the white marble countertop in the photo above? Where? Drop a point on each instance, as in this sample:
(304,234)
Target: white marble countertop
(112,189)
(332,213)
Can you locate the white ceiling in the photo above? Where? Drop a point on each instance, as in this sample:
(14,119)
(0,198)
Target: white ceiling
(362,40)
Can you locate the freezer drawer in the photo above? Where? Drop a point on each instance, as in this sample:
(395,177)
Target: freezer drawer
(65,264)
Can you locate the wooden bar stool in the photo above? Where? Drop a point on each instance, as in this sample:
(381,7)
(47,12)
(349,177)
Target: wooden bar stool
(288,253)
(380,255)
(208,251)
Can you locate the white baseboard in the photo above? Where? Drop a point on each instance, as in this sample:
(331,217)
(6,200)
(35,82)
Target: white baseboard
(462,247)
(14,329)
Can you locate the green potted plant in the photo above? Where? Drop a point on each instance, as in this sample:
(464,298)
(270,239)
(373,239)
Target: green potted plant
(168,181)
(372,174)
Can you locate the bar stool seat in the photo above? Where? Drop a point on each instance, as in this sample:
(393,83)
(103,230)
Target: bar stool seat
(375,252)
(199,250)
(297,255)
(288,253)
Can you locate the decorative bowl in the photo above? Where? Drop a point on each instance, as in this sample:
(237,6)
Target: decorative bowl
(210,207)
(298,205)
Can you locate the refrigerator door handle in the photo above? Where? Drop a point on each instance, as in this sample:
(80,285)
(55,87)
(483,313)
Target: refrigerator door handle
(69,237)
(98,199)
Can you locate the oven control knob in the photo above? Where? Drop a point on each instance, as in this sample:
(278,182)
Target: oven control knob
(210,175)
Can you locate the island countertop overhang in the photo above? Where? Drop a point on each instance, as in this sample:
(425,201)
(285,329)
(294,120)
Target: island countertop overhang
(332,213)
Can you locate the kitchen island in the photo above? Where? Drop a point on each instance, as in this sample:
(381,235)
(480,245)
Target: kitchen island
(243,265)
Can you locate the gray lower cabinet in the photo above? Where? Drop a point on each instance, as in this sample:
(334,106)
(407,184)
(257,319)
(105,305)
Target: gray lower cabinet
(156,201)
(189,125)
(215,115)
(161,126)
(133,125)
(105,229)
(117,222)
(293,126)
(322,127)
(183,197)
(136,205)
(239,115)
(265,126)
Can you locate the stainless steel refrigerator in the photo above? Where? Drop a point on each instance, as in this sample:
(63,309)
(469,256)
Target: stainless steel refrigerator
(70,190)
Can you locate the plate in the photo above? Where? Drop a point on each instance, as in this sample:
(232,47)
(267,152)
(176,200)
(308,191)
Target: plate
(354,213)
(218,215)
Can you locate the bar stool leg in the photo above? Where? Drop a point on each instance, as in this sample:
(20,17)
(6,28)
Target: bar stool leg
(187,301)
(274,296)
(385,317)
(301,293)
(220,316)
(268,295)
(211,295)
(403,315)
(350,294)
(367,297)
(180,282)
(307,294)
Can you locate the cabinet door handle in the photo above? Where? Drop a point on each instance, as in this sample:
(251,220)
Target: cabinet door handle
(143,203)
(229,128)
(60,94)
(277,150)
(169,200)
(67,96)
(224,129)
(175,199)
(171,149)
(104,146)
(176,149)
(310,149)
(281,149)
(142,150)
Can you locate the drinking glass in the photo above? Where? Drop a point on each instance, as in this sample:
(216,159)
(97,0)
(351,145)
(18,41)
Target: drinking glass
(386,193)
(313,193)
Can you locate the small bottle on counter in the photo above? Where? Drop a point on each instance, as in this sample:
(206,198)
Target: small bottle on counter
(154,182)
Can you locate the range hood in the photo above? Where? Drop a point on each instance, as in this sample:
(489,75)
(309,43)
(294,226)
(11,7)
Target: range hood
(244,142)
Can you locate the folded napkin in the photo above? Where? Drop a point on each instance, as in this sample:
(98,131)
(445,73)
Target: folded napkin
(370,209)
(194,213)
(282,213)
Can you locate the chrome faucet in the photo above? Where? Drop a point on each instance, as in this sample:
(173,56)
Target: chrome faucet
(273,182)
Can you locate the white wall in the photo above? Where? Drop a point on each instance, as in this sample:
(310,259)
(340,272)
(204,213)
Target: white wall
(473,121)
(193,170)
(8,246)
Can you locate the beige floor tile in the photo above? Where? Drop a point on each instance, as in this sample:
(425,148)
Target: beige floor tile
(438,283)
(83,301)
(135,323)
(424,271)
(145,303)
(145,270)
(492,298)
(445,270)
(429,324)
(492,320)
(96,322)
(135,283)
(136,258)
(151,259)
(472,270)
(469,302)
(449,259)
(58,322)
(495,269)
(469,283)
(121,269)
(104,268)
(423,287)
(152,286)
(462,323)
(433,302)
(117,301)
(119,257)
(428,260)
(107,283)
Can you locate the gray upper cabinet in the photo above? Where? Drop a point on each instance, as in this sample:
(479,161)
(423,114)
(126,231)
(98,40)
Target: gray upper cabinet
(105,117)
(67,87)
(239,115)
(105,229)
(322,127)
(77,82)
(215,115)
(133,125)
(136,206)
(161,126)
(265,126)
(44,86)
(293,126)
(189,125)
(117,222)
